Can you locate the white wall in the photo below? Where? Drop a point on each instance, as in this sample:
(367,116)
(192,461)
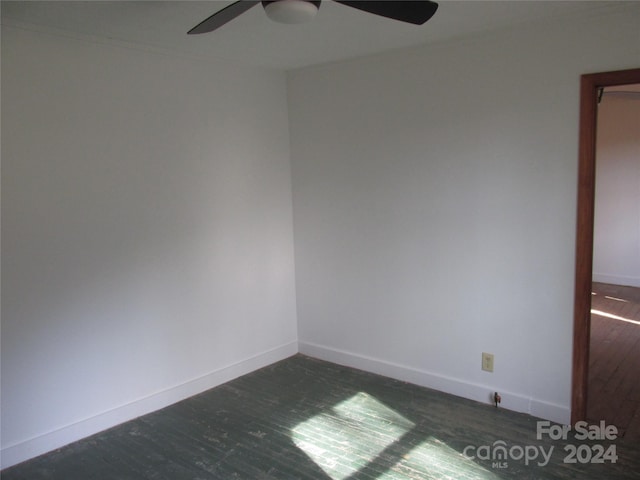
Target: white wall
(147,240)
(435,206)
(616,252)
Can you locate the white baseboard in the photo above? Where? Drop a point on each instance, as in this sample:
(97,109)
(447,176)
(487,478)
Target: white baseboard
(550,411)
(616,279)
(460,388)
(47,442)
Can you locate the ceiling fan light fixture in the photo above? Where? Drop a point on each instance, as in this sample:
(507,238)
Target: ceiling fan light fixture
(291,11)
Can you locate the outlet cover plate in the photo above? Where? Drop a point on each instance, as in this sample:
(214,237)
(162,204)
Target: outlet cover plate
(487,362)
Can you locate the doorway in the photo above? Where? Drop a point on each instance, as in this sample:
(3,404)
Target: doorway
(590,86)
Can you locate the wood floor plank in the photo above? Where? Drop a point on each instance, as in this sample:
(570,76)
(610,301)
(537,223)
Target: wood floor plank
(307,419)
(614,364)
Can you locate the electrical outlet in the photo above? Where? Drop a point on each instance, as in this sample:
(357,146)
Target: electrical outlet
(487,362)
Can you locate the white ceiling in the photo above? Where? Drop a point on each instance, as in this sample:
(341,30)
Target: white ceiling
(337,33)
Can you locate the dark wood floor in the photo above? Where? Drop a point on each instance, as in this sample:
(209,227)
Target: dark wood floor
(307,419)
(614,361)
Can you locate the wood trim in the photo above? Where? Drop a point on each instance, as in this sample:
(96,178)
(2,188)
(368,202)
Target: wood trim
(589,85)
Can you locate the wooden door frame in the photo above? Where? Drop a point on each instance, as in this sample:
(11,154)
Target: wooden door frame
(589,86)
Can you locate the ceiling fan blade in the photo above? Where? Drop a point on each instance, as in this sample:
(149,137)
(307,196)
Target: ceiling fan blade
(223,16)
(416,12)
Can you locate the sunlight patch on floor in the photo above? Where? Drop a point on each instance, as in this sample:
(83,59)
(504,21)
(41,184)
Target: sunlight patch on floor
(616,299)
(434,459)
(614,317)
(362,436)
(348,437)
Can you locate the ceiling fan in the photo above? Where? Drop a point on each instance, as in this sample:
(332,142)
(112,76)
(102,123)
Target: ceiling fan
(416,12)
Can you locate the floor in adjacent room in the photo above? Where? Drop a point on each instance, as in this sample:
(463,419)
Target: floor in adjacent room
(303,418)
(614,358)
